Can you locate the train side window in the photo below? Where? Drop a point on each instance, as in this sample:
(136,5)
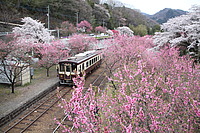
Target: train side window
(77,68)
(73,66)
(83,66)
(87,64)
(90,62)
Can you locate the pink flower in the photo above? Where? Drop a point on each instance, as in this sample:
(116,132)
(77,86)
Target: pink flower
(129,129)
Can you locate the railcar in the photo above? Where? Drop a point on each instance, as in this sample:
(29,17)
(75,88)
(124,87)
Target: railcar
(78,65)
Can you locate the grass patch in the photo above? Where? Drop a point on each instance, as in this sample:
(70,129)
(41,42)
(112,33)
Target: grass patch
(103,37)
(26,84)
(5,89)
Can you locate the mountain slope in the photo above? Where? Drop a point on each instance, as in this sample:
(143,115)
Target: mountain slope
(165,14)
(72,11)
(133,17)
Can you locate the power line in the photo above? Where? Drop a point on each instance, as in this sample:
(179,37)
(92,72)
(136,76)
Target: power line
(7,23)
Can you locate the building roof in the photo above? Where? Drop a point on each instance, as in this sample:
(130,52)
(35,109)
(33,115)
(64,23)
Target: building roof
(80,57)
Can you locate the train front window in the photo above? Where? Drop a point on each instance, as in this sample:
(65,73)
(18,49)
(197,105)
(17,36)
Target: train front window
(62,68)
(68,68)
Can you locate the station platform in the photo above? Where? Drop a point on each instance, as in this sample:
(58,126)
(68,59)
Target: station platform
(13,105)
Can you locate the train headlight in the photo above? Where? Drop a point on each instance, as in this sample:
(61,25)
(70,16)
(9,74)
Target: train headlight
(61,76)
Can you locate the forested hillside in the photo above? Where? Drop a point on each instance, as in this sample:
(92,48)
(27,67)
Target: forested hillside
(72,11)
(165,14)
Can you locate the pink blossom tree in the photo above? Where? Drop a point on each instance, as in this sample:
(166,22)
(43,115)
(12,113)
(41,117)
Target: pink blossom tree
(145,98)
(68,28)
(51,53)
(124,50)
(14,60)
(79,43)
(84,26)
(100,29)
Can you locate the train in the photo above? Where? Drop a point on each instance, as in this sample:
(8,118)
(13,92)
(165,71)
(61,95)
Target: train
(80,64)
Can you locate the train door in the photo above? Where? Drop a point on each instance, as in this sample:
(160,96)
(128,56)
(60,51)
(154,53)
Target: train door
(68,71)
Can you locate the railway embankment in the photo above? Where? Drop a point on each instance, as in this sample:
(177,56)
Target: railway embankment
(27,95)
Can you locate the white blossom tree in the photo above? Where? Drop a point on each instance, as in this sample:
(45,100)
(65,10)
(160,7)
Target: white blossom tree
(32,31)
(109,32)
(125,31)
(182,32)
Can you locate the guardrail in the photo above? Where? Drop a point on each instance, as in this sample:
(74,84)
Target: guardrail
(4,33)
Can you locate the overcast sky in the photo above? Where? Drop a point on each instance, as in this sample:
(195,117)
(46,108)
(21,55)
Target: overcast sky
(153,6)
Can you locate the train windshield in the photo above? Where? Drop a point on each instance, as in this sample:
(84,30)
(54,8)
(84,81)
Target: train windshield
(62,67)
(67,67)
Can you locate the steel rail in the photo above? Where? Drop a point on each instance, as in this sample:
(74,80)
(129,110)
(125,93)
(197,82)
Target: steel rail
(32,111)
(98,78)
(28,114)
(54,131)
(44,111)
(58,126)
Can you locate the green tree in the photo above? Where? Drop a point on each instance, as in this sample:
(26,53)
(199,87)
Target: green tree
(156,28)
(140,30)
(152,30)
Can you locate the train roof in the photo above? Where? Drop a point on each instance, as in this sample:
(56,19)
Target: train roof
(81,57)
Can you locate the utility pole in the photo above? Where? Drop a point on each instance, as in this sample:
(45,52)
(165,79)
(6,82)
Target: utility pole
(76,19)
(58,31)
(48,16)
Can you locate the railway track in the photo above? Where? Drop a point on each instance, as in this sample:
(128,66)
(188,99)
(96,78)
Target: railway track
(28,120)
(98,82)
(39,119)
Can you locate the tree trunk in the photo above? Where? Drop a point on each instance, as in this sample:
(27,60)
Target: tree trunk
(47,72)
(13,87)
